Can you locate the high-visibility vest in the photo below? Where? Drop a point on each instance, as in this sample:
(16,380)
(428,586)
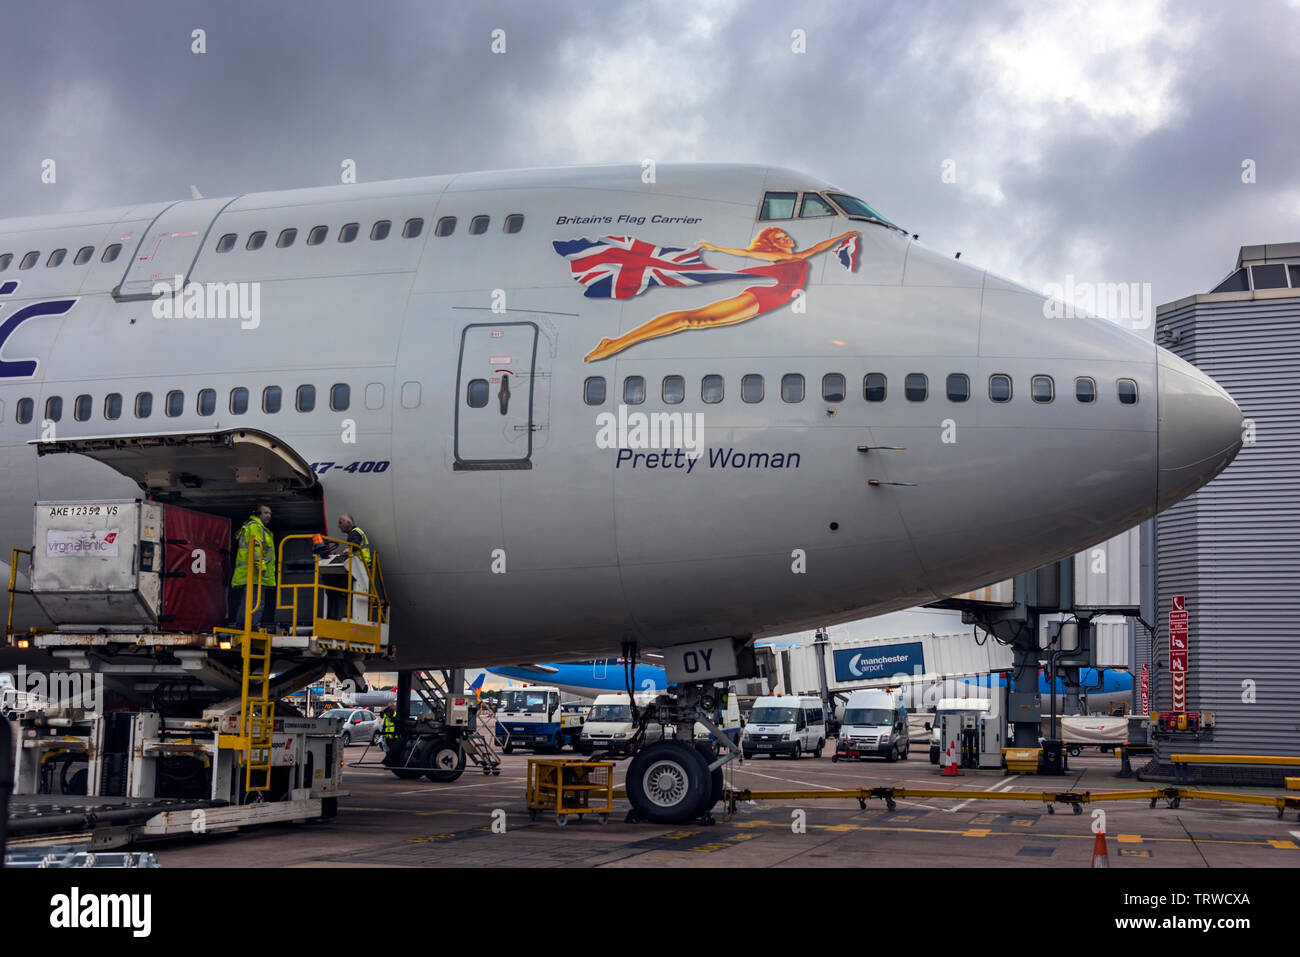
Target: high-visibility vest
(364,547)
(390,726)
(257,536)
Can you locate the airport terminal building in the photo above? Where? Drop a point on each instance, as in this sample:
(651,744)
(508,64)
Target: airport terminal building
(1231,552)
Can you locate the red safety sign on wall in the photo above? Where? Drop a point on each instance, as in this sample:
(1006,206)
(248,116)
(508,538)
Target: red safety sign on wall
(1178,621)
(1144,689)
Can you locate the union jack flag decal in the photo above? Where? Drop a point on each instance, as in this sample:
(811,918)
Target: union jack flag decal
(620,267)
(847,251)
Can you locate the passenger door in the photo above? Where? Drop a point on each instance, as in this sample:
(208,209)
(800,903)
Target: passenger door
(169,247)
(494,396)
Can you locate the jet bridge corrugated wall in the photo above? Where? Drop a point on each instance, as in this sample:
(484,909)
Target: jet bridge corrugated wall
(1231,549)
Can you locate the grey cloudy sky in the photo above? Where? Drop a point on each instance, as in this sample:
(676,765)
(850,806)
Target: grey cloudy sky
(1103,140)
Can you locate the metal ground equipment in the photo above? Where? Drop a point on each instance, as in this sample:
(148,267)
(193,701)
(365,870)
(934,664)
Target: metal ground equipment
(158,700)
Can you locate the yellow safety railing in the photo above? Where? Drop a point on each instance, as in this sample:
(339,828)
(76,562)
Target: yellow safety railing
(353,631)
(13,583)
(256,709)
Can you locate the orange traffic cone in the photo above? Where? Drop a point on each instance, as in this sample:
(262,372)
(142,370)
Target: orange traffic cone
(950,766)
(1099,856)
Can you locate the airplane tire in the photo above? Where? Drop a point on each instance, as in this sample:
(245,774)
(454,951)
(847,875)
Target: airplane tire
(668,782)
(709,754)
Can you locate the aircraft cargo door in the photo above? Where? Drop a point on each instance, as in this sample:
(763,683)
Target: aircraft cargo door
(494,396)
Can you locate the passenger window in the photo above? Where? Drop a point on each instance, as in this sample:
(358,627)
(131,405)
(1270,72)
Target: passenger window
(813,205)
(5,260)
(54,408)
(24,410)
(81,408)
(916,387)
(958,387)
(143,405)
(1085,389)
(751,388)
(792,387)
(477,394)
(833,387)
(238,400)
(271,398)
(634,390)
(84,255)
(58,256)
(711,389)
(446,226)
(374,396)
(1000,387)
(175,403)
(1128,391)
(593,390)
(226,243)
(874,386)
(674,389)
(305,399)
(514,222)
(1042,389)
(381,229)
(256,240)
(348,232)
(113,405)
(110,253)
(30,259)
(317,235)
(778,206)
(478,225)
(410,395)
(207,401)
(340,397)
(286,238)
(413,228)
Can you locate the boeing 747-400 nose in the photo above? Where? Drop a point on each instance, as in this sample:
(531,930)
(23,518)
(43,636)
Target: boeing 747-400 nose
(1199,429)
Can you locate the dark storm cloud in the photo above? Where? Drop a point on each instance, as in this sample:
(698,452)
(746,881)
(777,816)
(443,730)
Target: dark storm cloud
(1134,176)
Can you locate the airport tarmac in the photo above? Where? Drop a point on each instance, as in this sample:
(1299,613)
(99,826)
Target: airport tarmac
(388,822)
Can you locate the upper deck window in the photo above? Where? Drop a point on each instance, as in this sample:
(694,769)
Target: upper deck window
(110,253)
(349,232)
(813,205)
(478,225)
(413,228)
(256,240)
(317,235)
(84,255)
(287,236)
(855,208)
(226,243)
(58,255)
(30,259)
(514,222)
(5,260)
(778,205)
(380,229)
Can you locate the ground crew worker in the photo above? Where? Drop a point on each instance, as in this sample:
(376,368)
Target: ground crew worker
(359,566)
(254,537)
(389,724)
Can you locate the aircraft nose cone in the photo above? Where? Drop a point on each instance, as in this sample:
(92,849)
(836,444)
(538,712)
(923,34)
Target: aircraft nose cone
(1199,429)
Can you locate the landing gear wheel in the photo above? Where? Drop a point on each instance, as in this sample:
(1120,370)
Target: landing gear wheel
(445,759)
(668,783)
(817,751)
(407,774)
(715,778)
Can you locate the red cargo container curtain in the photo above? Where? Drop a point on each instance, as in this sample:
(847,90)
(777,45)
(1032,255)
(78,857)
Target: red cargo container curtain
(197,563)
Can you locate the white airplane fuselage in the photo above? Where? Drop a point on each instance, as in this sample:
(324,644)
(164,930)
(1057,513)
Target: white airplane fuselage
(508,531)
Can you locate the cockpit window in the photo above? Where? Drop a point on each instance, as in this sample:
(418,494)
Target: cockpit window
(855,208)
(778,206)
(813,205)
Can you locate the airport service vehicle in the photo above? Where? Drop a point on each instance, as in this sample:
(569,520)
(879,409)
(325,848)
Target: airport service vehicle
(504,343)
(356,725)
(874,723)
(1104,732)
(727,719)
(534,718)
(785,724)
(609,726)
(973,726)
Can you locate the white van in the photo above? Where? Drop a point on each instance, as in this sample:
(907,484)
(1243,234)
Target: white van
(789,724)
(609,724)
(727,719)
(876,720)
